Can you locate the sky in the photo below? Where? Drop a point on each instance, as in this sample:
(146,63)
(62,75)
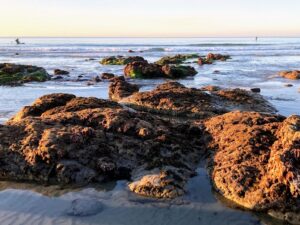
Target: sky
(149,18)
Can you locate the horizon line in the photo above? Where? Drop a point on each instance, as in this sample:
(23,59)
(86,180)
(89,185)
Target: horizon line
(263,36)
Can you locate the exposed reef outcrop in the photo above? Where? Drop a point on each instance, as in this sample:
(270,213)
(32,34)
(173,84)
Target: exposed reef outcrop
(176,59)
(255,161)
(66,139)
(14,74)
(121,60)
(156,139)
(173,98)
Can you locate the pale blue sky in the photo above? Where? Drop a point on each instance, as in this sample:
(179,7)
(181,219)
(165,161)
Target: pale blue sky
(182,18)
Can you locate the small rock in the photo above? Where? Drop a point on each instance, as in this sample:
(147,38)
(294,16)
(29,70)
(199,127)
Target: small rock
(107,76)
(292,75)
(97,79)
(90,83)
(61,72)
(288,85)
(57,78)
(255,90)
(85,207)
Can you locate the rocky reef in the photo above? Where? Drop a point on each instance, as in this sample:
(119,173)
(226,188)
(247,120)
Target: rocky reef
(292,75)
(173,98)
(156,139)
(14,74)
(255,161)
(66,139)
(121,60)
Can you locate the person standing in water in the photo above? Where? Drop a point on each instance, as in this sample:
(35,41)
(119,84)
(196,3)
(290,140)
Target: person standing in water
(256,39)
(18,42)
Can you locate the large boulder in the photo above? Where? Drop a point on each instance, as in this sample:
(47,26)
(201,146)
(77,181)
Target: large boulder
(175,72)
(173,98)
(121,60)
(292,75)
(151,70)
(143,70)
(14,74)
(255,161)
(66,139)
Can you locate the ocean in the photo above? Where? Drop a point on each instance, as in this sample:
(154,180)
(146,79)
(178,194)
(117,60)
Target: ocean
(253,64)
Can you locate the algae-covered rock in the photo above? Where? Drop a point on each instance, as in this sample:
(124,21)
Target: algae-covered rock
(121,60)
(14,74)
(177,59)
(151,70)
(143,69)
(179,71)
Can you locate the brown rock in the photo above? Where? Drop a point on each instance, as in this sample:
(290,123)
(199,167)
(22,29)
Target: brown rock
(97,79)
(292,75)
(167,183)
(210,88)
(61,72)
(143,70)
(172,98)
(256,159)
(174,72)
(120,89)
(67,139)
(107,76)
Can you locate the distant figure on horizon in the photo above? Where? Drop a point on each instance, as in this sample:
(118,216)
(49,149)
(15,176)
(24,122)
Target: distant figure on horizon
(256,38)
(18,42)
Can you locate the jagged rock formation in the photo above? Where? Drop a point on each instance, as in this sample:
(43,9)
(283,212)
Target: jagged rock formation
(255,161)
(173,98)
(66,139)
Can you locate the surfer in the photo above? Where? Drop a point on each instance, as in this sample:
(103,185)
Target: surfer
(256,38)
